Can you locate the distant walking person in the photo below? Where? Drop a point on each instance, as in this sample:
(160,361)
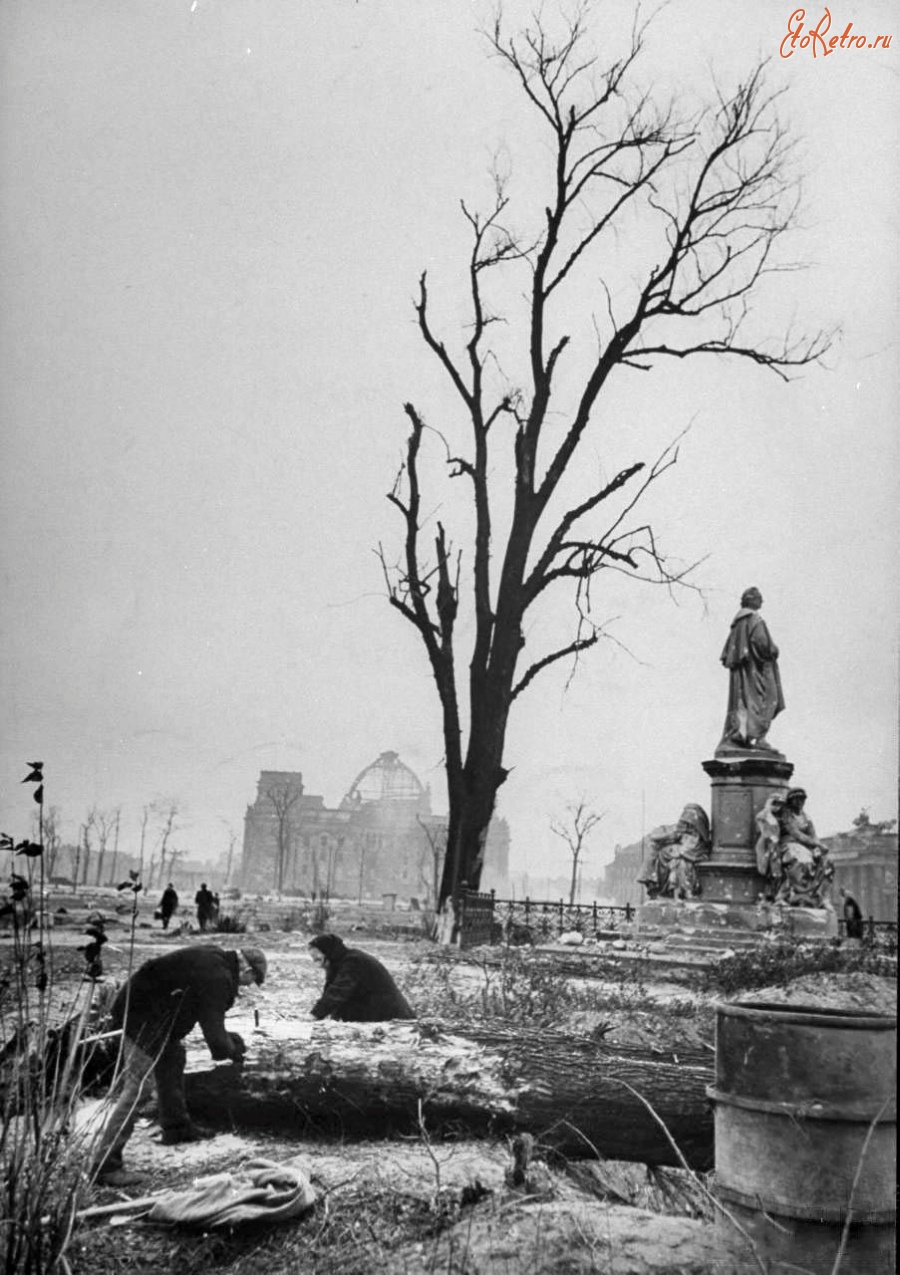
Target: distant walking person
(205,906)
(853,917)
(358,988)
(167,905)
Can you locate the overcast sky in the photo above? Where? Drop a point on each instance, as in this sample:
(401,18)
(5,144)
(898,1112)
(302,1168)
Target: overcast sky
(213,215)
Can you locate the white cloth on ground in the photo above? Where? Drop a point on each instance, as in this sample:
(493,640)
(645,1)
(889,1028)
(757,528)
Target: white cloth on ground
(260,1191)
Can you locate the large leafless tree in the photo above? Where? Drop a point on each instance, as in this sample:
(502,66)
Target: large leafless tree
(647,243)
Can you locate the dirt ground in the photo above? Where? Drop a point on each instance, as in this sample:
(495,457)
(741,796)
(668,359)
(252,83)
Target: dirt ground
(414,1205)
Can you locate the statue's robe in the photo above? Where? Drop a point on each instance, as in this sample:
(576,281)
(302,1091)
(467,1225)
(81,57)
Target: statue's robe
(754,685)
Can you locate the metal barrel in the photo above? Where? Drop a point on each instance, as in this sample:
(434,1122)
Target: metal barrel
(805,1132)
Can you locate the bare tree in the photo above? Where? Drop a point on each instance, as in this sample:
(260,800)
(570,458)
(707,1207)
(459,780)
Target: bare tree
(106,824)
(174,856)
(579,822)
(364,846)
(168,813)
(145,819)
(115,858)
(283,798)
(313,845)
(333,848)
(431,860)
(52,838)
(667,225)
(75,852)
(86,828)
(232,842)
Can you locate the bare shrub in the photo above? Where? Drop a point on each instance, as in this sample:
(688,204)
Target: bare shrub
(780,964)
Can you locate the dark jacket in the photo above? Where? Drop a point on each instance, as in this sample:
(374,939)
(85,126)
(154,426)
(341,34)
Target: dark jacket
(358,989)
(204,901)
(169,995)
(169,901)
(853,917)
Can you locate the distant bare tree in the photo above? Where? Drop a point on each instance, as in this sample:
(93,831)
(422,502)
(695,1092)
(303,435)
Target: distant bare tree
(431,860)
(174,856)
(75,853)
(145,819)
(364,847)
(574,830)
(105,823)
(86,829)
(52,823)
(645,243)
(168,812)
(232,842)
(333,847)
(115,858)
(283,798)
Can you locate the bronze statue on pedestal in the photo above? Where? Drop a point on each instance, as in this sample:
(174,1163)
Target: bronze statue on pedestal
(754,685)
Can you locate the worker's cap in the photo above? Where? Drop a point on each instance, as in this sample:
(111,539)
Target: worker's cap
(256,959)
(329,945)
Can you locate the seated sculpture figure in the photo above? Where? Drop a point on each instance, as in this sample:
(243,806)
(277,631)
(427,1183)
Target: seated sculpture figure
(676,850)
(795,863)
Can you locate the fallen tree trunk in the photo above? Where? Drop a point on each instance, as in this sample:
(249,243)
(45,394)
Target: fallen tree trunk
(579,1096)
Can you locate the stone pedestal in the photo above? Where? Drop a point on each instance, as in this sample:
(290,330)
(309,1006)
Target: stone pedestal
(703,925)
(741,784)
(731,911)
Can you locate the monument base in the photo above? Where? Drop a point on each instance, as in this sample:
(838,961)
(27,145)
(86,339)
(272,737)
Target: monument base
(706,925)
(742,782)
(731,910)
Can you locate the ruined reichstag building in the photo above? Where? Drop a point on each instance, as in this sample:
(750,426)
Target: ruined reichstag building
(382,838)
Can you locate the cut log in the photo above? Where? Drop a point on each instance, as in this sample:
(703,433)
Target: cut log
(574,1094)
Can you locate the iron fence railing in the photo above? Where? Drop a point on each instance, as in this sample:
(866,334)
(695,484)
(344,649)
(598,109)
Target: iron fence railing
(486,919)
(476,918)
(875,933)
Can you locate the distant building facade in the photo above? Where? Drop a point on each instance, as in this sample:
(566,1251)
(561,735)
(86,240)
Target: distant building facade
(620,880)
(381,839)
(865,863)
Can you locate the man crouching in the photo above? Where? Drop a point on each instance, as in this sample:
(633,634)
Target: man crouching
(159,1005)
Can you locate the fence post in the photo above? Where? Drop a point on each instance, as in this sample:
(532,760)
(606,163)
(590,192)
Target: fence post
(527,906)
(561,916)
(628,911)
(872,929)
(595,914)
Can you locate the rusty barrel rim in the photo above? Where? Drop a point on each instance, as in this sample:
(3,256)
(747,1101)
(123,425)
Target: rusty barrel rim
(809,1015)
(807,1213)
(866,1111)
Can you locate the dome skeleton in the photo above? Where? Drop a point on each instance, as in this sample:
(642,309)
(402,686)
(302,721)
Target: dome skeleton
(385,779)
